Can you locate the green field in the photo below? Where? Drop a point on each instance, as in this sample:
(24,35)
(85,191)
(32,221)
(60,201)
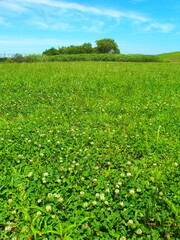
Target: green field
(89,150)
(170,57)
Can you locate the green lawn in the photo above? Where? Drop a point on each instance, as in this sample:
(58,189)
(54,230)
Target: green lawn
(170,57)
(89,150)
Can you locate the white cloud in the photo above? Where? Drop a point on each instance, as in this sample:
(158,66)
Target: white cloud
(12,5)
(71,16)
(165,28)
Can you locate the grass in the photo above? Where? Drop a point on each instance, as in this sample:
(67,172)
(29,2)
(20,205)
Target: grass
(89,150)
(170,57)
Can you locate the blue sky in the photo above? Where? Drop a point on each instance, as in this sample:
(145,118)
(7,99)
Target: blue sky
(138,26)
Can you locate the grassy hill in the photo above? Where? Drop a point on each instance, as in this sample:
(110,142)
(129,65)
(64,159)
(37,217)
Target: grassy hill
(170,57)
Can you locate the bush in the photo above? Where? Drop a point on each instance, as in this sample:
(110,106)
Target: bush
(84,57)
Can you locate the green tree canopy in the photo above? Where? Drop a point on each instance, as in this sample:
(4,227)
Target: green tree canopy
(103,46)
(107,45)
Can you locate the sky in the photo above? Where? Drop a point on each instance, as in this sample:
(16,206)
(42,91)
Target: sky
(137,26)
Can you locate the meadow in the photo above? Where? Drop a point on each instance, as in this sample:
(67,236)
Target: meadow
(89,151)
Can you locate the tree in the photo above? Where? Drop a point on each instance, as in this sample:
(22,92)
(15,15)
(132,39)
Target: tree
(62,50)
(18,58)
(107,45)
(51,51)
(87,48)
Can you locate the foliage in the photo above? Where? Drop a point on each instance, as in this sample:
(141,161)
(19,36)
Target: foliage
(103,46)
(84,48)
(89,151)
(107,45)
(50,52)
(91,57)
(18,58)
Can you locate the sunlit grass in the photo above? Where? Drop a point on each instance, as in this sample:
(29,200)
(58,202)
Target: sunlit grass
(89,150)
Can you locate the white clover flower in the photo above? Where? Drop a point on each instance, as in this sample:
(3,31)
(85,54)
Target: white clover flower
(102,197)
(50,195)
(107,190)
(122,175)
(58,142)
(53,216)
(30,174)
(48,208)
(130,222)
(10,200)
(106,203)
(85,204)
(95,180)
(161,194)
(117,186)
(81,193)
(138,190)
(13,212)
(129,163)
(31,160)
(139,231)
(41,154)
(175,164)
(14,238)
(39,200)
(94,203)
(20,156)
(38,213)
(122,238)
(58,180)
(60,200)
(46,174)
(117,191)
(129,174)
(8,228)
(120,183)
(121,204)
(97,195)
(132,192)
(44,180)
(56,195)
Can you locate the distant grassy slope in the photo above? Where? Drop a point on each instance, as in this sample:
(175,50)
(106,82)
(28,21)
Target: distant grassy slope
(170,57)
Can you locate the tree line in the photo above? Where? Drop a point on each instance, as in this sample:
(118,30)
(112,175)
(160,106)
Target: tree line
(105,45)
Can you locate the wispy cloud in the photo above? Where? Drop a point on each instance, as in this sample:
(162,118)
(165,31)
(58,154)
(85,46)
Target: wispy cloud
(12,5)
(165,28)
(71,16)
